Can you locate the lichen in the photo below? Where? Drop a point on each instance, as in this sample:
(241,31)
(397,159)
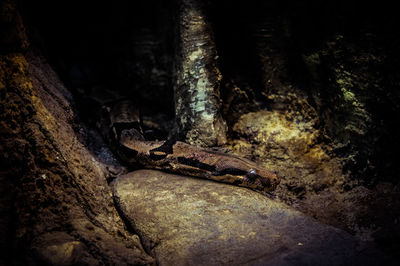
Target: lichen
(357,117)
(197,89)
(292,148)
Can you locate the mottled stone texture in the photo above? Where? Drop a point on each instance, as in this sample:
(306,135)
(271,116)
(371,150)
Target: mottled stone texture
(52,182)
(197,96)
(56,206)
(188,221)
(309,172)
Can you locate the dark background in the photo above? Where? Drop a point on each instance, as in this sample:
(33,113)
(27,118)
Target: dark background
(119,44)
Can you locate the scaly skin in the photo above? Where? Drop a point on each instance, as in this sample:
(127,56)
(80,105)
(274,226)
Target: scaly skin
(186,159)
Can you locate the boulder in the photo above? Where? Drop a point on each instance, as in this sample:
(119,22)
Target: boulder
(189,221)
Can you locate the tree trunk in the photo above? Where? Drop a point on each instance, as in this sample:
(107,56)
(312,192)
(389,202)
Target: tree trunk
(197,96)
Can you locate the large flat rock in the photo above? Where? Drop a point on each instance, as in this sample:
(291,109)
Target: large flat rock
(188,221)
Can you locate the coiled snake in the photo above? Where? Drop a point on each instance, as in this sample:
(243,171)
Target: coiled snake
(179,157)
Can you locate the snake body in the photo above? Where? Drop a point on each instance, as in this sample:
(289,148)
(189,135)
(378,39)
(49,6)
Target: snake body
(182,158)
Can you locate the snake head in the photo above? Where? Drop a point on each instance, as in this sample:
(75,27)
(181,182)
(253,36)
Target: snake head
(261,179)
(245,173)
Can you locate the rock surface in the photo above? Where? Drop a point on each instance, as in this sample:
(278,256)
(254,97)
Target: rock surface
(55,203)
(313,179)
(187,221)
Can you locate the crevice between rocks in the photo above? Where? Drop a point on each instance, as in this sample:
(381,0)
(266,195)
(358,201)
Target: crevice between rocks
(130,228)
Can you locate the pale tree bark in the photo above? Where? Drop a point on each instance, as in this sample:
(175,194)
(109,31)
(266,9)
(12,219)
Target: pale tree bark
(196,92)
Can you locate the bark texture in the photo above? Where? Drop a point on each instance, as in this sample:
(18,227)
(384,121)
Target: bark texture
(197,96)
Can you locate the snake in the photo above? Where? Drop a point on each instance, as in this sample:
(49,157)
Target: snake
(124,130)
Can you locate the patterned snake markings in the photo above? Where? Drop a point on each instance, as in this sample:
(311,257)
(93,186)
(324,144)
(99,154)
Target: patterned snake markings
(182,158)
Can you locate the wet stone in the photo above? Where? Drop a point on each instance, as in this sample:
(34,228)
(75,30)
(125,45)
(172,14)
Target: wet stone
(188,221)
